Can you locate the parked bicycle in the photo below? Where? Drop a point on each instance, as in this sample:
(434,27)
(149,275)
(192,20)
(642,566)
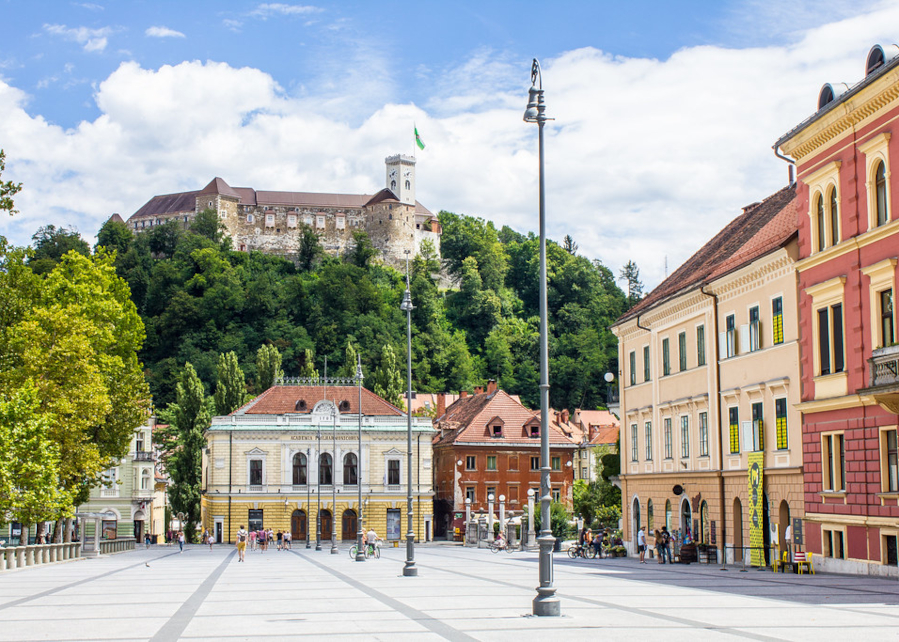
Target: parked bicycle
(369,550)
(587,552)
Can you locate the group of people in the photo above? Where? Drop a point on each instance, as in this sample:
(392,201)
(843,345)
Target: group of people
(601,541)
(663,542)
(260,540)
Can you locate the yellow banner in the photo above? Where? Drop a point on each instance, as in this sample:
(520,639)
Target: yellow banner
(756,497)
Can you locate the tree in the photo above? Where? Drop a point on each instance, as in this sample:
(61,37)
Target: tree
(51,244)
(348,369)
(310,249)
(29,460)
(8,189)
(268,367)
(569,245)
(630,273)
(190,420)
(231,389)
(307,365)
(75,334)
(208,224)
(115,236)
(363,251)
(388,381)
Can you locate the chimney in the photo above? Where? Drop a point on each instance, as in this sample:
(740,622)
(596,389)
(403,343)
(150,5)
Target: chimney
(556,415)
(441,404)
(577,416)
(592,432)
(565,416)
(491,386)
(463,394)
(478,390)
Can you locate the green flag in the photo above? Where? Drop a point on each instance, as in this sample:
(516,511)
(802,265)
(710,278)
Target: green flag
(418,142)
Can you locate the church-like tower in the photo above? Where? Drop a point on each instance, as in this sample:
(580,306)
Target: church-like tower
(401,177)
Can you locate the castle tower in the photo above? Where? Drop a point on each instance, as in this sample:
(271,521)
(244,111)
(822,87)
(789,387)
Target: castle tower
(401,177)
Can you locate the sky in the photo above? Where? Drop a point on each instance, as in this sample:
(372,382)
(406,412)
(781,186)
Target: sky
(665,112)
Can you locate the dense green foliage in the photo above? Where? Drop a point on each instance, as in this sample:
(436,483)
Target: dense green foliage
(199,299)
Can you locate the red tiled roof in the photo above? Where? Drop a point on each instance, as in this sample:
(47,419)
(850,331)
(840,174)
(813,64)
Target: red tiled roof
(167,204)
(279,400)
(761,228)
(597,418)
(219,186)
(606,435)
(467,420)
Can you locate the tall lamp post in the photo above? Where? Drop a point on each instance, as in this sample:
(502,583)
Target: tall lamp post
(546,603)
(360,549)
(334,550)
(409,570)
(609,377)
(318,514)
(308,495)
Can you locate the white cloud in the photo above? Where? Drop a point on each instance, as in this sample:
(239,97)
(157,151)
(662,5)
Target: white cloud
(163,32)
(267,10)
(232,25)
(646,159)
(90,6)
(89,39)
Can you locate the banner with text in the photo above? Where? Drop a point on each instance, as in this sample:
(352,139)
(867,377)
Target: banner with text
(756,498)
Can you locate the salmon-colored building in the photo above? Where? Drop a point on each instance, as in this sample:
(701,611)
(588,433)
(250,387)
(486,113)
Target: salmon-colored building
(489,443)
(848,247)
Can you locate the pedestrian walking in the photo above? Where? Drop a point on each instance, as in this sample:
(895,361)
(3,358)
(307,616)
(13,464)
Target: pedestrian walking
(287,538)
(641,544)
(658,537)
(666,545)
(280,539)
(253,540)
(181,541)
(147,540)
(242,537)
(210,540)
(262,540)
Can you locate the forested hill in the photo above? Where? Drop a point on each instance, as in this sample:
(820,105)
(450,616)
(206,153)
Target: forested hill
(199,298)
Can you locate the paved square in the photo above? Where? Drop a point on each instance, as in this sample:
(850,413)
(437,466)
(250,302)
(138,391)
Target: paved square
(460,594)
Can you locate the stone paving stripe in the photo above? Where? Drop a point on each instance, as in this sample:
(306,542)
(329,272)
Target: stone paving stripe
(628,609)
(432,624)
(173,629)
(74,584)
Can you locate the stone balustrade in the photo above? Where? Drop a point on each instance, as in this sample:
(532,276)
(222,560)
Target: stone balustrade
(117,545)
(12,557)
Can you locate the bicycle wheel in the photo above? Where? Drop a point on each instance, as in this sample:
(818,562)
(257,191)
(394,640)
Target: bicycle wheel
(509,548)
(591,552)
(377,552)
(572,552)
(353,550)
(494,548)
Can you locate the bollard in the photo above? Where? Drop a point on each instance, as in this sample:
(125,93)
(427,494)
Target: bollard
(29,555)
(723,558)
(2,559)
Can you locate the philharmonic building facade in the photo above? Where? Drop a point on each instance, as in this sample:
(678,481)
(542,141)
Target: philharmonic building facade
(292,455)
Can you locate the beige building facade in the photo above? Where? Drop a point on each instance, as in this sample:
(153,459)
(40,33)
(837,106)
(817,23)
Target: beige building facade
(708,384)
(292,456)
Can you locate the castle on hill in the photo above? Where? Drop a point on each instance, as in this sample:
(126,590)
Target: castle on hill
(268,221)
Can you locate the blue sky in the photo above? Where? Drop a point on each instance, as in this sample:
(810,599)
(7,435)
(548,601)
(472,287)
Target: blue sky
(666,111)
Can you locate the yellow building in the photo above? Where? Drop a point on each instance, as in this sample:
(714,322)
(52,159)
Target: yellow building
(709,387)
(295,448)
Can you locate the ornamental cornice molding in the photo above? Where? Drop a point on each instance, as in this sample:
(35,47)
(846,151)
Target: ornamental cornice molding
(770,270)
(670,312)
(851,118)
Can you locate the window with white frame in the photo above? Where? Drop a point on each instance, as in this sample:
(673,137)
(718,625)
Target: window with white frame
(877,178)
(833,462)
(700,345)
(755,333)
(824,206)
(340,222)
(881,288)
(777,320)
(647,427)
(291,220)
(632,369)
(250,218)
(645,363)
(666,358)
(685,436)
(682,351)
(666,430)
(730,324)
(393,472)
(255,472)
(758,427)
(634,442)
(270,220)
(703,434)
(320,222)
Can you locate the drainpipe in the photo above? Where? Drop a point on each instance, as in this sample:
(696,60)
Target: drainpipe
(640,326)
(722,515)
(792,165)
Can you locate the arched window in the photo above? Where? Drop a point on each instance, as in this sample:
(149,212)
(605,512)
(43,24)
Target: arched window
(834,218)
(325,473)
(819,207)
(145,479)
(880,191)
(649,525)
(350,470)
(299,469)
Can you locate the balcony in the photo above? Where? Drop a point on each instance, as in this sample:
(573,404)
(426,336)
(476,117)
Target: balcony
(144,456)
(884,378)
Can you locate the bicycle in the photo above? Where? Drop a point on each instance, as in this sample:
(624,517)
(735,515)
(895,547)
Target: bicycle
(587,552)
(370,550)
(497,545)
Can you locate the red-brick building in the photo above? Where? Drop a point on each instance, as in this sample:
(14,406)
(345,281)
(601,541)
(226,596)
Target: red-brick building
(487,443)
(848,248)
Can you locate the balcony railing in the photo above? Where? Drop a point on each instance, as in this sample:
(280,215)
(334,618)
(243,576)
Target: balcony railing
(144,456)
(884,364)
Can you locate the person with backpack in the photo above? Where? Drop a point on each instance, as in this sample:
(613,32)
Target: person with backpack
(242,537)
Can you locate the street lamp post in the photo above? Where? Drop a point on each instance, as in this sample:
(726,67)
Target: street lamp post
(318,486)
(334,550)
(409,570)
(609,377)
(308,493)
(360,552)
(546,603)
